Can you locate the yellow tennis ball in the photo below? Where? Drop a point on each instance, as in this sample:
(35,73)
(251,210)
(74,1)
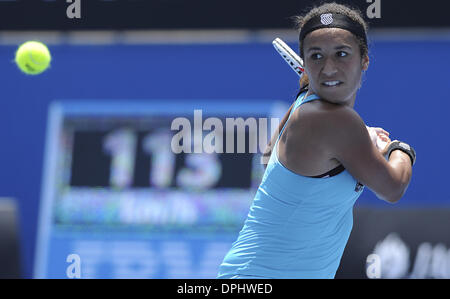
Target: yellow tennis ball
(33,57)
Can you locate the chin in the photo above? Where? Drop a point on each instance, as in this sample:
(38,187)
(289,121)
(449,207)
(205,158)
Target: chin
(341,97)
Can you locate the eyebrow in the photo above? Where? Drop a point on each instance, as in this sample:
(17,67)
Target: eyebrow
(336,48)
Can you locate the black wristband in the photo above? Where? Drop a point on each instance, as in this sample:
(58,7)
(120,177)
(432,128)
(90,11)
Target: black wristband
(404,147)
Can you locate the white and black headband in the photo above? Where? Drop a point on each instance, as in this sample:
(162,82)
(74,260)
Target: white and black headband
(333,20)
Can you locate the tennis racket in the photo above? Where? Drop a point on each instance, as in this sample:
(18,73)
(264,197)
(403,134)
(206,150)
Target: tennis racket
(291,58)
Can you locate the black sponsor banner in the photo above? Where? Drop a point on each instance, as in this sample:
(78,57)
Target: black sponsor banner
(398,243)
(181,14)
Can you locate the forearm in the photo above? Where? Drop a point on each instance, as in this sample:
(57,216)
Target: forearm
(402,167)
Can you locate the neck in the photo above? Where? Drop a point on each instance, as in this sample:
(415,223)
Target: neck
(350,102)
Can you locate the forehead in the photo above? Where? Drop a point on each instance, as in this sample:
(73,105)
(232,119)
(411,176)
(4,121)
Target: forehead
(329,36)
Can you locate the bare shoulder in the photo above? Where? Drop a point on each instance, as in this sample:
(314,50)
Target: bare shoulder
(335,114)
(329,123)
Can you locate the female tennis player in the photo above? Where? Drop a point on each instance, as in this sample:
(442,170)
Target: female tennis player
(301,216)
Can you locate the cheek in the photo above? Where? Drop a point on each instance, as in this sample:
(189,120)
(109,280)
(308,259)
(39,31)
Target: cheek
(312,73)
(354,71)
(358,75)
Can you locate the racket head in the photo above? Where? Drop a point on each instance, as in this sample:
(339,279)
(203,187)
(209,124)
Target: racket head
(291,58)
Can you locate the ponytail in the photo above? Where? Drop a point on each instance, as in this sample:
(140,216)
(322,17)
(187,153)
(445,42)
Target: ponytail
(304,81)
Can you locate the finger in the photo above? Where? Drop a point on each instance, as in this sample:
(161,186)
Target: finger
(381,144)
(381,130)
(384,137)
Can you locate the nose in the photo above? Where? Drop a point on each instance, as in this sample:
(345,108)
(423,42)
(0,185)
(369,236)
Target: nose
(329,68)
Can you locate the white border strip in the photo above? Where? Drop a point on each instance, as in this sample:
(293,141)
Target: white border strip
(54,126)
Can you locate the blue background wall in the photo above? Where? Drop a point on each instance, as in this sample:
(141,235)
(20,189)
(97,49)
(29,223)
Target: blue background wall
(405,91)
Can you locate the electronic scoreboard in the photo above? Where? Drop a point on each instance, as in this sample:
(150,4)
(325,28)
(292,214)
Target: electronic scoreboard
(144,189)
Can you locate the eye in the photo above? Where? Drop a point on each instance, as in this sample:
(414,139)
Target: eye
(341,54)
(316,56)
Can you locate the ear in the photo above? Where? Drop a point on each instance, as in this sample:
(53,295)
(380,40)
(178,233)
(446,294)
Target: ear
(365,63)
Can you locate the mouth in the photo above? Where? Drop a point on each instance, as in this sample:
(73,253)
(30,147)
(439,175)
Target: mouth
(332,83)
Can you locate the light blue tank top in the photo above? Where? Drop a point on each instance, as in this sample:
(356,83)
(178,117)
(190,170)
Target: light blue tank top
(297,226)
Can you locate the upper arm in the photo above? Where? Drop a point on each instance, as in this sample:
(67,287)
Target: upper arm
(347,140)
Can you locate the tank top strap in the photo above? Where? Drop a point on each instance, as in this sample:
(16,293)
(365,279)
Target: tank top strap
(301,99)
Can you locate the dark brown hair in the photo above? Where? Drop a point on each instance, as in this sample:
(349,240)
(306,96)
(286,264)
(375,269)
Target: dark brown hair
(353,13)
